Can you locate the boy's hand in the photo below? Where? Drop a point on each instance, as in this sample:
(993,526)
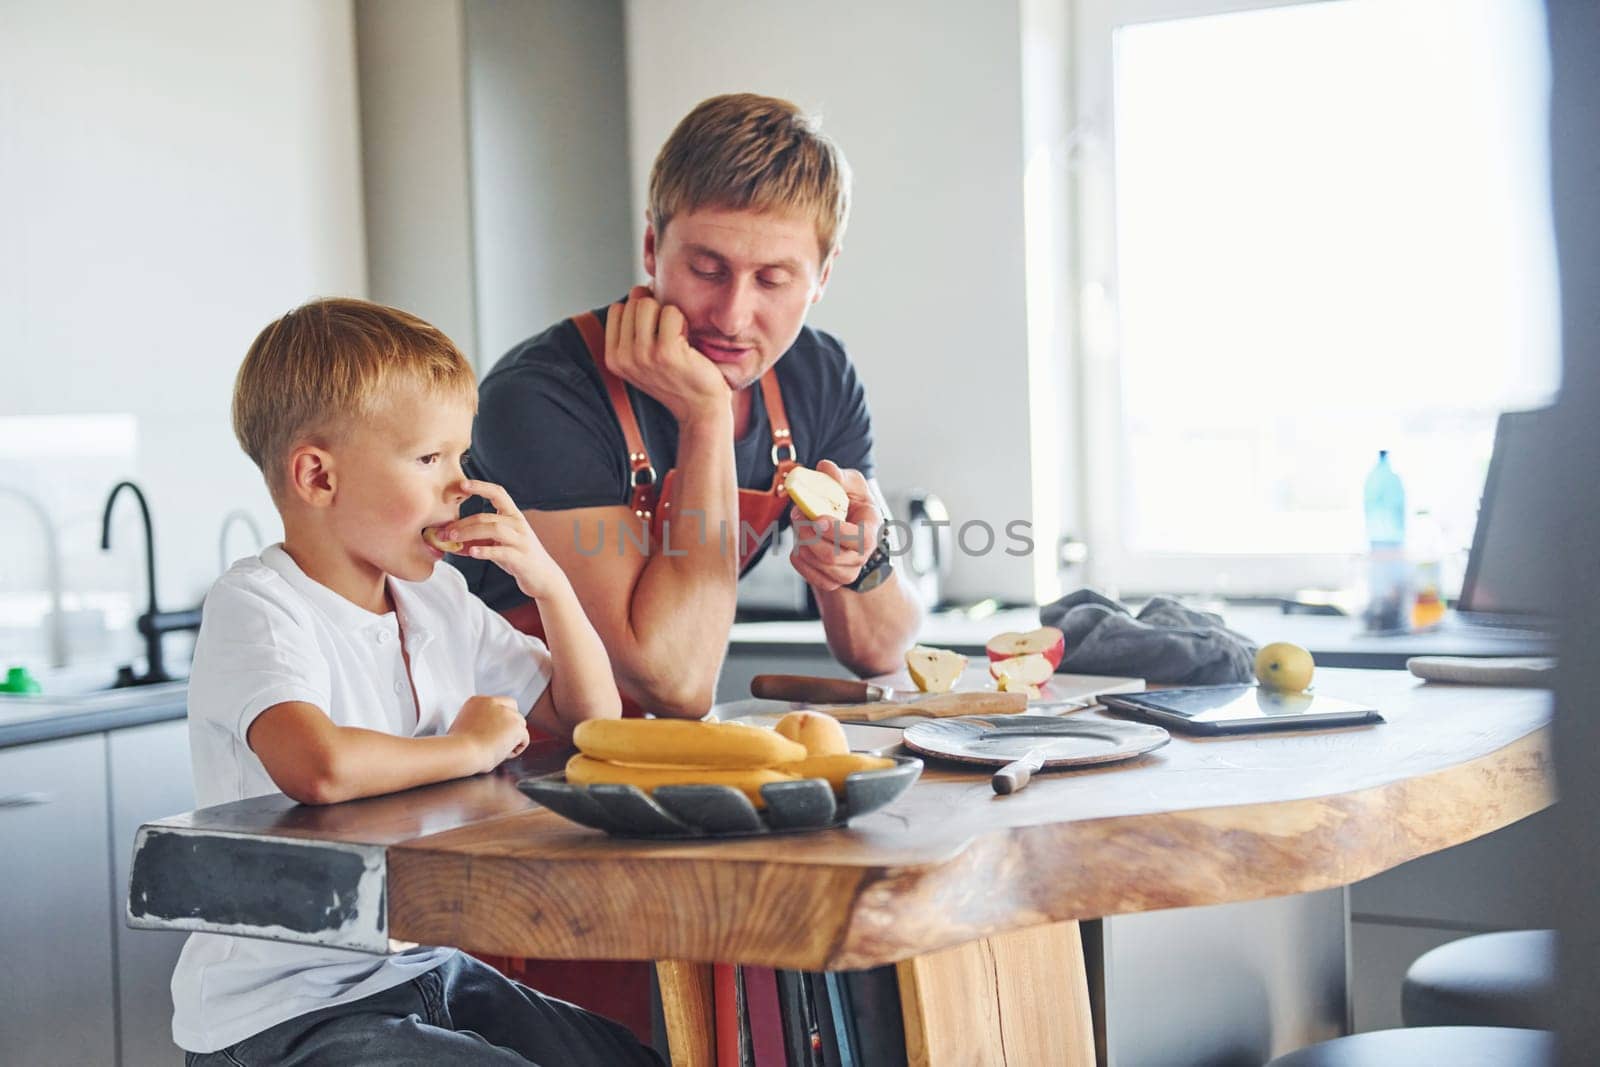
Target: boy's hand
(829,553)
(495,725)
(647,345)
(504,537)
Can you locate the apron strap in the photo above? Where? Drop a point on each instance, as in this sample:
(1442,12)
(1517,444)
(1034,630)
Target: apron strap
(641,476)
(783,451)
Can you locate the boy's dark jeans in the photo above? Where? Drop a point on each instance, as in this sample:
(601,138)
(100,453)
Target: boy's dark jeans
(460,1012)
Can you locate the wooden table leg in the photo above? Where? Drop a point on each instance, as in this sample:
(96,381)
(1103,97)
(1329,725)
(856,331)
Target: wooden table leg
(1020,999)
(688,1006)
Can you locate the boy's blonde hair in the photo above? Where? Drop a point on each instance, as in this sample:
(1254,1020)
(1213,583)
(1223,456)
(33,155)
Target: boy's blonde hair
(749,152)
(330,362)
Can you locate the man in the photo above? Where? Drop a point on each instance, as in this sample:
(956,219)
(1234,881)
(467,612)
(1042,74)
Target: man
(684,411)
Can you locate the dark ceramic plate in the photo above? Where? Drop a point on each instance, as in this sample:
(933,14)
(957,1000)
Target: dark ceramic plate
(698,811)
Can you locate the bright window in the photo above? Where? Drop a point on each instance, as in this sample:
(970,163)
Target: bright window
(1310,231)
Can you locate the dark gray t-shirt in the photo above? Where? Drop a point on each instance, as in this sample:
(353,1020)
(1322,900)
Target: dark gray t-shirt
(546,431)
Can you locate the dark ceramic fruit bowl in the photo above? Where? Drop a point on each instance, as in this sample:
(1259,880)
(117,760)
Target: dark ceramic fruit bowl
(699,811)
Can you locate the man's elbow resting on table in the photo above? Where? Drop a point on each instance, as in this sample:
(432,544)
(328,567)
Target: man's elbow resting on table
(874,646)
(672,682)
(675,697)
(873,662)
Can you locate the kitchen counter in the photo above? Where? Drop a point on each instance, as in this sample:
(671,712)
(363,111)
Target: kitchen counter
(1334,640)
(28,719)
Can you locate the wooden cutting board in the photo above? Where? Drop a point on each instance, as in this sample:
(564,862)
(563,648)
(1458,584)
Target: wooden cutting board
(938,706)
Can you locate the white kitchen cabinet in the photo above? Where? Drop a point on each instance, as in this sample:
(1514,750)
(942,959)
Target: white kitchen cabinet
(1473,888)
(149,779)
(56,995)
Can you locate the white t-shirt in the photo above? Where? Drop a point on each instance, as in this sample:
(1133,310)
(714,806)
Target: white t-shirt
(271,634)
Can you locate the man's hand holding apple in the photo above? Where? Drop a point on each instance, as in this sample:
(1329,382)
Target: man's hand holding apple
(829,553)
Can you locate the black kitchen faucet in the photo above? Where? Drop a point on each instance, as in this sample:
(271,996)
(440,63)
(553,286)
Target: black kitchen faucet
(154,622)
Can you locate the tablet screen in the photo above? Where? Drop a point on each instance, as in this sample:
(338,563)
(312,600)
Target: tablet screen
(1242,704)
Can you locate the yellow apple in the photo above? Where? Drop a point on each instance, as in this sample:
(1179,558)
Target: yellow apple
(1285,667)
(820,734)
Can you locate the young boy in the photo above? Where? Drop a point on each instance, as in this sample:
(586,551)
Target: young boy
(344,663)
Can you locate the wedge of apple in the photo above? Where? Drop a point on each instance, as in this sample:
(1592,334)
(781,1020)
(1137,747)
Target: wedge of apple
(1007,684)
(430,534)
(1031,669)
(935,670)
(1046,641)
(817,495)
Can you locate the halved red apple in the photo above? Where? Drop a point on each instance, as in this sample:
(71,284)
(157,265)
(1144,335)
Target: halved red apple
(430,534)
(1031,669)
(817,495)
(935,670)
(1046,641)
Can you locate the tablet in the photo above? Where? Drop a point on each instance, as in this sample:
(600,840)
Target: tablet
(1238,709)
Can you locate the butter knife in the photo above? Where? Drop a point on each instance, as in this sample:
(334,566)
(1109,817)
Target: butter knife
(1016,775)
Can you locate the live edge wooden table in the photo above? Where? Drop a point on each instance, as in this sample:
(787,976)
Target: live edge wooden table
(975,897)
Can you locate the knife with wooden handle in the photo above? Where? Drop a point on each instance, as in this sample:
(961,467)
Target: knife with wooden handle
(811,690)
(853,701)
(1017,774)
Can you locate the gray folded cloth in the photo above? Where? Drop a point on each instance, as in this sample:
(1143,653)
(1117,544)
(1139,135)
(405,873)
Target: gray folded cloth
(1167,643)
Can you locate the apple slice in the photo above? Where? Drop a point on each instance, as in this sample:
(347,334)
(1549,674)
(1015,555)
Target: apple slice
(817,495)
(1047,641)
(1007,684)
(430,534)
(935,670)
(1032,669)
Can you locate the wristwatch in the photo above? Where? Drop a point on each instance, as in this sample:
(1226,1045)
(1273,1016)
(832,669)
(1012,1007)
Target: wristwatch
(876,570)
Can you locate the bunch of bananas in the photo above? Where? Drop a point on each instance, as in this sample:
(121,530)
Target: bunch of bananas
(654,752)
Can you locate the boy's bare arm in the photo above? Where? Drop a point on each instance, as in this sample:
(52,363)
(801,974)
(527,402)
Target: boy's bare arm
(315,761)
(581,684)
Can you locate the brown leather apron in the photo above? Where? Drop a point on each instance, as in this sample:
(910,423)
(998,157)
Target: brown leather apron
(621,989)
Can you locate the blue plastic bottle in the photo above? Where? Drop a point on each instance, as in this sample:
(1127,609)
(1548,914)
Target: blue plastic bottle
(1388,578)
(1385,501)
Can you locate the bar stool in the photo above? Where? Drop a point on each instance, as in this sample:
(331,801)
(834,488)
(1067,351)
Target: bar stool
(1430,1046)
(1504,979)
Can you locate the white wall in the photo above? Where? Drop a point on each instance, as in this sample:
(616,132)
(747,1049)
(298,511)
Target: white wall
(926,102)
(547,112)
(172,176)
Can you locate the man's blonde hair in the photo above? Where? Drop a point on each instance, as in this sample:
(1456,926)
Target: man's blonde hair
(332,362)
(748,152)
